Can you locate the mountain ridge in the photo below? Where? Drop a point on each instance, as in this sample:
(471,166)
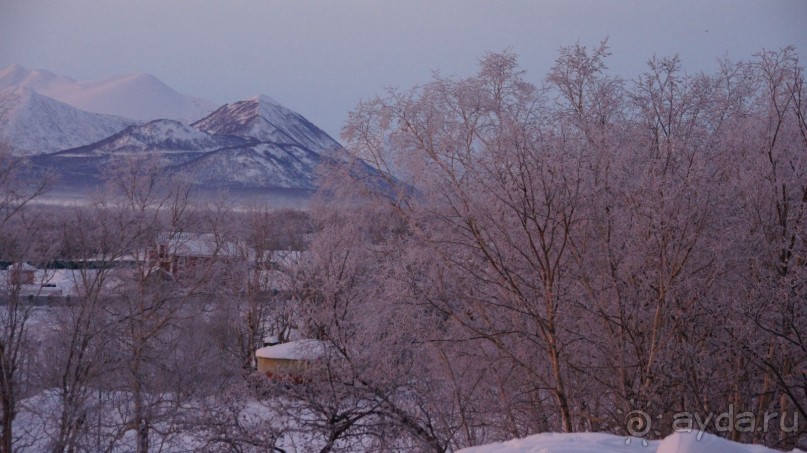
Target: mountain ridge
(138,96)
(251,144)
(35,124)
(254,143)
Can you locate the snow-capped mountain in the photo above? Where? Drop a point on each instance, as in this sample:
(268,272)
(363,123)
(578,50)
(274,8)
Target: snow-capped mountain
(36,124)
(141,97)
(251,144)
(255,143)
(38,80)
(263,119)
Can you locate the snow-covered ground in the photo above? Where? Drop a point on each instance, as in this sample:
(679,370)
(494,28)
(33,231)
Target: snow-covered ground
(680,442)
(51,282)
(36,424)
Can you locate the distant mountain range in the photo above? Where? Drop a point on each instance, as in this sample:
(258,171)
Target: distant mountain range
(141,97)
(36,124)
(252,144)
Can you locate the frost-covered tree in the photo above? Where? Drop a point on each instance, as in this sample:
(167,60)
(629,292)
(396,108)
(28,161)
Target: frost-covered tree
(22,242)
(598,245)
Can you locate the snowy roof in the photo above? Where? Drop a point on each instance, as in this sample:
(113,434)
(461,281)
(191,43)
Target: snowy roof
(196,244)
(293,350)
(21,267)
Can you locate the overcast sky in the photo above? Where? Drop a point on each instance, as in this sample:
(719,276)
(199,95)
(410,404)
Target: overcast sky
(321,57)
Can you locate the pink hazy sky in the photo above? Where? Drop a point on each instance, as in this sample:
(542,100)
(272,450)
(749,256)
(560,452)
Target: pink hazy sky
(321,57)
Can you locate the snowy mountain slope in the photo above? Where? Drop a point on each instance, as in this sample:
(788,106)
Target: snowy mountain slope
(35,124)
(158,136)
(254,144)
(263,119)
(38,80)
(170,141)
(138,96)
(142,97)
(241,166)
(251,144)
(261,165)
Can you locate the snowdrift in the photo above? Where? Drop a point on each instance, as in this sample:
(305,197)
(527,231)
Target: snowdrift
(680,442)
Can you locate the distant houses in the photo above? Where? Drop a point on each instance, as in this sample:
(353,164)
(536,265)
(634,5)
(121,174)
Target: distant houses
(178,253)
(172,254)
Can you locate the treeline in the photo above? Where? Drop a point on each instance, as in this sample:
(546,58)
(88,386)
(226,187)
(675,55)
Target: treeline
(524,258)
(558,257)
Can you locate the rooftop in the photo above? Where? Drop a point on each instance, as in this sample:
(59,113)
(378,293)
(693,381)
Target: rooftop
(294,350)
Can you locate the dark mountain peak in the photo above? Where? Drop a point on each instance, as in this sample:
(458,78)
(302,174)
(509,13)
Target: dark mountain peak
(263,119)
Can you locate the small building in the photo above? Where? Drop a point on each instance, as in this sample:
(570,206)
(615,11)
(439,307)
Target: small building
(289,359)
(176,253)
(21,274)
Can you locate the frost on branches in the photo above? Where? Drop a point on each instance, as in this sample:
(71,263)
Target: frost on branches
(486,259)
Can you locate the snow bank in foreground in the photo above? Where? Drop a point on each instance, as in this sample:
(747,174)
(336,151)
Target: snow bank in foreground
(566,443)
(696,442)
(681,442)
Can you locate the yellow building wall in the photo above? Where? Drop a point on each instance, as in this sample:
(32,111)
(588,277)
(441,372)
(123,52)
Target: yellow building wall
(280,366)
